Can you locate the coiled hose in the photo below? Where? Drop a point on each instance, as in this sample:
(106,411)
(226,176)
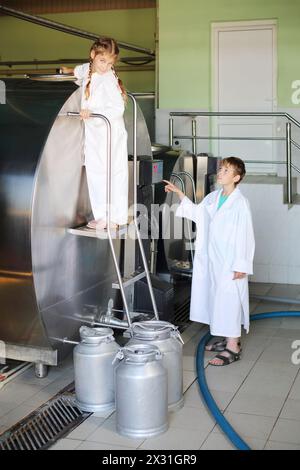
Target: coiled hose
(226,427)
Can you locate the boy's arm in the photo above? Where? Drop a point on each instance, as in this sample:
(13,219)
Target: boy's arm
(187,209)
(244,243)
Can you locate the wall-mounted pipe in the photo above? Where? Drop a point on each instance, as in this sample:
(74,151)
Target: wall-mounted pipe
(68,29)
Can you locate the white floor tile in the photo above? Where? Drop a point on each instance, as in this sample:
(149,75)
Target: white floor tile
(88,445)
(65,444)
(106,433)
(83,431)
(273,445)
(246,425)
(217,442)
(291,409)
(259,288)
(190,417)
(176,439)
(286,430)
(189,378)
(256,404)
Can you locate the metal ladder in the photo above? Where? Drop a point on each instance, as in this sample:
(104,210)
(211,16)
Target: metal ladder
(122,283)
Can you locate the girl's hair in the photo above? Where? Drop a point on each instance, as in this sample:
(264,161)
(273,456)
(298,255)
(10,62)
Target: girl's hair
(237,164)
(105,46)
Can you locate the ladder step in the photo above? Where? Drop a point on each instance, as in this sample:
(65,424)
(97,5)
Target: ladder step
(127,281)
(84,231)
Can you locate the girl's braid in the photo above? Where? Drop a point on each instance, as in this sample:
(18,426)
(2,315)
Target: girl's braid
(87,88)
(120,83)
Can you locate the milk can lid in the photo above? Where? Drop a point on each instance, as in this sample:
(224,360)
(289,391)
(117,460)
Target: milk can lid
(95,335)
(152,329)
(141,353)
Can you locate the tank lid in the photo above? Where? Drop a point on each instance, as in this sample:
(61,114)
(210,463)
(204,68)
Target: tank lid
(151,330)
(95,335)
(141,353)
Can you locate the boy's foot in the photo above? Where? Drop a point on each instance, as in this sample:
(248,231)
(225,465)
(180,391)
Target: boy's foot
(216,346)
(226,357)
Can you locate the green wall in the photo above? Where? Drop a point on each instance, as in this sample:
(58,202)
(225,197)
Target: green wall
(20,40)
(185,38)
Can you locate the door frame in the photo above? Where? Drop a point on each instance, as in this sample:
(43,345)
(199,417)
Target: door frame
(218,27)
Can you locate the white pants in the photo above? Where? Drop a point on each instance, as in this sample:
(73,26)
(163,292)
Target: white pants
(96,163)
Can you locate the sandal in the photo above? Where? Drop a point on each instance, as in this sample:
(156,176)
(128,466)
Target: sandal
(218,346)
(233,357)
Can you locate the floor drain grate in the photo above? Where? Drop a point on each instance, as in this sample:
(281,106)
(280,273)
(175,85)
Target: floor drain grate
(42,428)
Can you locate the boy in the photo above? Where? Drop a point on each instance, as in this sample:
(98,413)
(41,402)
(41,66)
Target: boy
(223,259)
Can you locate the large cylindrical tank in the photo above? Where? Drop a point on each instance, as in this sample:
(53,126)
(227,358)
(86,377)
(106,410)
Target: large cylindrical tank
(141,392)
(51,280)
(167,338)
(94,369)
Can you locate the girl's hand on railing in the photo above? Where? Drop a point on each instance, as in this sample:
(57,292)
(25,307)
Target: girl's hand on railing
(85,114)
(171,188)
(64,69)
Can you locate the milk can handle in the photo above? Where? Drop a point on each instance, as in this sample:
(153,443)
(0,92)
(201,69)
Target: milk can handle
(175,333)
(119,356)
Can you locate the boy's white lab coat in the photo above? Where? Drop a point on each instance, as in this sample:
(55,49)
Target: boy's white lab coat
(105,98)
(224,244)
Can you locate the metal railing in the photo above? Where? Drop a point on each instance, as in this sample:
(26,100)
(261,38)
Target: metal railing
(108,206)
(288,137)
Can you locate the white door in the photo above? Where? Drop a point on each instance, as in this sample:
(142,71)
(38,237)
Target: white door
(244,71)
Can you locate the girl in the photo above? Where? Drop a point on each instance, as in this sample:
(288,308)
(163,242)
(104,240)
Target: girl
(223,259)
(104,93)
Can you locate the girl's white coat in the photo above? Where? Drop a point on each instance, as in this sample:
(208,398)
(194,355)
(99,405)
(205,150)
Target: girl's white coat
(224,244)
(105,98)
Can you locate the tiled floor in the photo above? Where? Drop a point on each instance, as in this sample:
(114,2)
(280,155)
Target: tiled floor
(259,395)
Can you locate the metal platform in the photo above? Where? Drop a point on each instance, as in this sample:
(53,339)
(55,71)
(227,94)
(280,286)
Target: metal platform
(84,231)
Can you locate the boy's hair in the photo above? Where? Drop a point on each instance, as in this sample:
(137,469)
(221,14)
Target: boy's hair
(237,164)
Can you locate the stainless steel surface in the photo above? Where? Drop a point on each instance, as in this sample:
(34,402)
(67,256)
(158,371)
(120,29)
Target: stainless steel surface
(140,373)
(47,274)
(167,338)
(288,139)
(145,263)
(289,163)
(94,370)
(127,281)
(198,137)
(171,132)
(41,370)
(68,29)
(108,207)
(194,134)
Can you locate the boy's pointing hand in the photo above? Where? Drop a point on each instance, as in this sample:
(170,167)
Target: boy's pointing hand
(170,187)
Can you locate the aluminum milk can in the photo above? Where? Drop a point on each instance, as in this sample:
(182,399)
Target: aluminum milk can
(167,338)
(141,392)
(94,371)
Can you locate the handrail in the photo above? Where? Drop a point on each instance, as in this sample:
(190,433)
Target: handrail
(108,205)
(176,175)
(134,102)
(288,137)
(235,113)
